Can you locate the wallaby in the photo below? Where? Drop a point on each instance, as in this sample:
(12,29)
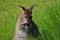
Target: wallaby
(23,22)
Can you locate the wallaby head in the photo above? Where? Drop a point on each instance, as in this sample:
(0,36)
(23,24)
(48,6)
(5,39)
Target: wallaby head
(27,13)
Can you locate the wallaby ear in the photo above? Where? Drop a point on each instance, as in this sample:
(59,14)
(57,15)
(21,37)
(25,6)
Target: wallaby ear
(32,6)
(23,8)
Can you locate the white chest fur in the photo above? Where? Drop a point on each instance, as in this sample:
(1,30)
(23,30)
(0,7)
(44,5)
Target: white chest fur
(21,34)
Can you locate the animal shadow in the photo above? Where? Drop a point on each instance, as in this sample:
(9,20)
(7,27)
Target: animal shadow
(33,30)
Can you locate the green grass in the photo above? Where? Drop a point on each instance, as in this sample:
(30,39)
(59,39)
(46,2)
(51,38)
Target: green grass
(46,15)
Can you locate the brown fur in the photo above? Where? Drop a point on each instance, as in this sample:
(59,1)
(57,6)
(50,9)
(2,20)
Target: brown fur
(22,23)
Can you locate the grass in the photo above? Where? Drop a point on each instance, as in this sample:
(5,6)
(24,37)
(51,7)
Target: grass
(46,15)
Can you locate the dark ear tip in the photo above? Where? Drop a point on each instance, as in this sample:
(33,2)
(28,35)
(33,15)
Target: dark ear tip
(33,4)
(18,5)
(22,7)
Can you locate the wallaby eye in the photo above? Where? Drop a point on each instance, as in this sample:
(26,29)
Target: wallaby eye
(25,17)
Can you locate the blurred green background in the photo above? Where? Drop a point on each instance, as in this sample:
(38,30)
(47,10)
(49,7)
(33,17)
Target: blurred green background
(46,15)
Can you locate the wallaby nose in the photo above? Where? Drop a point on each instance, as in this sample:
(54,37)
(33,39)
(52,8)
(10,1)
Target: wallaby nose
(24,24)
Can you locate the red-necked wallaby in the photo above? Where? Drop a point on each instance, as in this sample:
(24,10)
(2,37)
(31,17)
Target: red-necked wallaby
(23,23)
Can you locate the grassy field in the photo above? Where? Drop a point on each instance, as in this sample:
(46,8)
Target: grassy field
(46,15)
